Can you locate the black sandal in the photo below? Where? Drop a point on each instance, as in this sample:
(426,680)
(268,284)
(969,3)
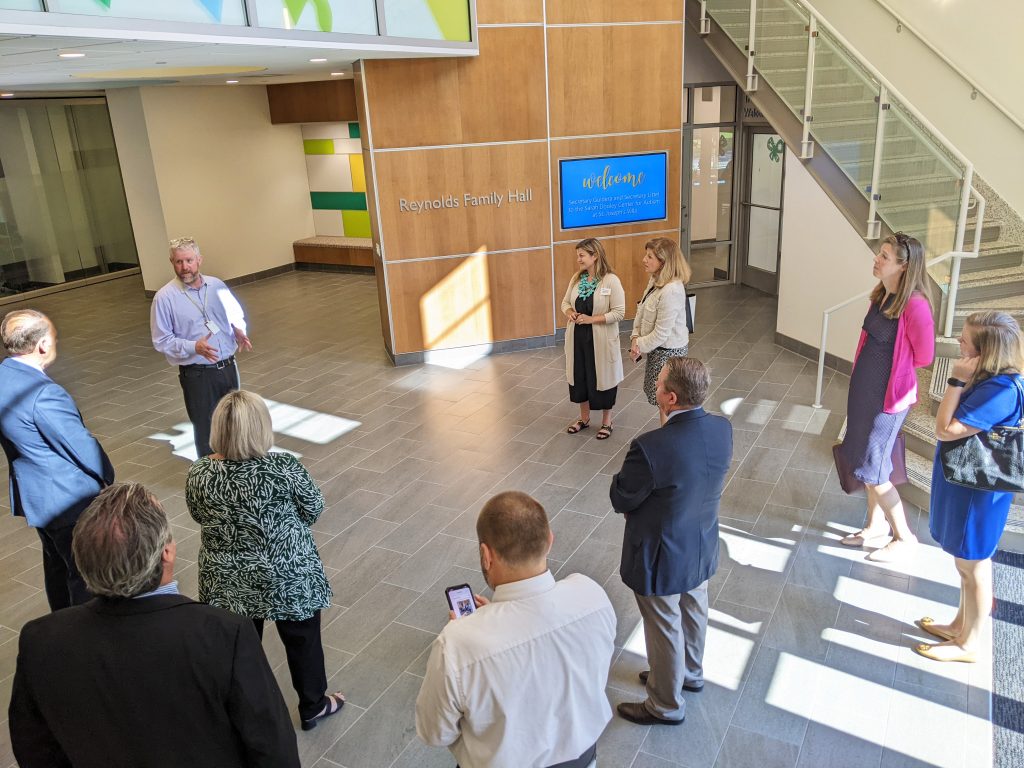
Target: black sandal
(577,426)
(604,432)
(335,701)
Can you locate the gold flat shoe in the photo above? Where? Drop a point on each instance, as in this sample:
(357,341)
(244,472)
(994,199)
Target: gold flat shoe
(927,623)
(927,650)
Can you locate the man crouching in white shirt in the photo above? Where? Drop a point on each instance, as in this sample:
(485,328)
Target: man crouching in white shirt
(520,683)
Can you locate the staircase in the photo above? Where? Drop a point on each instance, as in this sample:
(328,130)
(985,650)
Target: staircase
(905,174)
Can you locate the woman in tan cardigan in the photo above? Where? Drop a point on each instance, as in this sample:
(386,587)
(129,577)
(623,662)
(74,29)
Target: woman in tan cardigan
(594,305)
(659,328)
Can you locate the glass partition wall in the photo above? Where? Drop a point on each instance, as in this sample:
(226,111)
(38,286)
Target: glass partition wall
(63,214)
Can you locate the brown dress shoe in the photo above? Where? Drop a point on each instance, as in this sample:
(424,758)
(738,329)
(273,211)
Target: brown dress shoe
(636,712)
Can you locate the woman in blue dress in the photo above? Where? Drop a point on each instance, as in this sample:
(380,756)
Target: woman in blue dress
(985,390)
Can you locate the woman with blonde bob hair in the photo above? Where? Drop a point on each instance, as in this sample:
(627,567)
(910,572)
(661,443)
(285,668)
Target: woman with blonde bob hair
(985,390)
(594,304)
(257,557)
(897,338)
(659,329)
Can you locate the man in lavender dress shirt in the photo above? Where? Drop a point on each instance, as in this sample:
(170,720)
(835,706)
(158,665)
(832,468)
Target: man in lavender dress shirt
(198,325)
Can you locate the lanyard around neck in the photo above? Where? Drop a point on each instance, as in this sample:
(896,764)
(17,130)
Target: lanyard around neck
(206,297)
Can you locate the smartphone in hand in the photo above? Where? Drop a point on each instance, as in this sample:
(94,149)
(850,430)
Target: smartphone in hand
(637,357)
(460,600)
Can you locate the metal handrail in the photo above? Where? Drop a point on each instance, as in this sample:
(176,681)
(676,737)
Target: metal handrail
(955,255)
(949,63)
(925,122)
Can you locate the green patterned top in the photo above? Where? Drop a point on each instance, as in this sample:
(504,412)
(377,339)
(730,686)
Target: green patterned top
(257,556)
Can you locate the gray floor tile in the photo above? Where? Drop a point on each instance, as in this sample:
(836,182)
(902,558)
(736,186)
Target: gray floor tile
(744,749)
(367,617)
(772,681)
(797,621)
(380,736)
(432,560)
(344,548)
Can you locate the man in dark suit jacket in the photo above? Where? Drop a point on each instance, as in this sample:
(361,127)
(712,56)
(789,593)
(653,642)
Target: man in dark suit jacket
(56,466)
(669,489)
(141,677)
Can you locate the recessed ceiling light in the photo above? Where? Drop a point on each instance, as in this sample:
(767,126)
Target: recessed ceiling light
(337,74)
(71,55)
(232,82)
(318,61)
(6,95)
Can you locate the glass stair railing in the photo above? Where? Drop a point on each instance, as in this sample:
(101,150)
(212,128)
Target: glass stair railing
(914,180)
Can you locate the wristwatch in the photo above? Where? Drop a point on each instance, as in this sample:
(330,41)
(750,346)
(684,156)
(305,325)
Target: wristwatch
(955,382)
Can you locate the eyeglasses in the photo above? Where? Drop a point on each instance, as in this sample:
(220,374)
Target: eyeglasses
(903,239)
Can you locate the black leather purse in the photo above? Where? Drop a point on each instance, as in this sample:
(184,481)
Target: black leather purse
(987,461)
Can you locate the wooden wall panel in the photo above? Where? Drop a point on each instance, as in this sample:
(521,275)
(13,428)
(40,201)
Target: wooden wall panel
(597,11)
(615,79)
(669,142)
(440,174)
(496,96)
(509,11)
(321,101)
(624,254)
(445,303)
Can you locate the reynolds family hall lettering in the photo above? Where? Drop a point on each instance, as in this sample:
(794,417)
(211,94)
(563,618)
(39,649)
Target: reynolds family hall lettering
(497,199)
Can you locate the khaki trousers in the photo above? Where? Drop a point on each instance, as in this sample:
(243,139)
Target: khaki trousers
(675,627)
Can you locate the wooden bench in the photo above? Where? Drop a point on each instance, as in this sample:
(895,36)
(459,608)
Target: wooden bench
(334,251)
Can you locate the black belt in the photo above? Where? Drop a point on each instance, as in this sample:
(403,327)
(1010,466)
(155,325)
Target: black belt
(582,761)
(214,366)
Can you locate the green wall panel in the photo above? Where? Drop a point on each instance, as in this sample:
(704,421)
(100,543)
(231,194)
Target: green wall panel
(338,201)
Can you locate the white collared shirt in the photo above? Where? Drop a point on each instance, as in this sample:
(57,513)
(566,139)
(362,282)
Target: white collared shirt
(521,682)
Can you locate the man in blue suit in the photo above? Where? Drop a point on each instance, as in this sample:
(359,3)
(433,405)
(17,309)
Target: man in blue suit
(669,489)
(56,466)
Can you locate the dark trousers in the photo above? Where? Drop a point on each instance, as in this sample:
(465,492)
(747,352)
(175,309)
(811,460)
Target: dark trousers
(305,654)
(64,584)
(204,386)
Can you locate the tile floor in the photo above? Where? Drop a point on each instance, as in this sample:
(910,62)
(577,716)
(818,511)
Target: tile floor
(809,657)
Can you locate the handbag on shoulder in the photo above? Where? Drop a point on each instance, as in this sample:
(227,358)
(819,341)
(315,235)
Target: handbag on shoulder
(987,461)
(851,484)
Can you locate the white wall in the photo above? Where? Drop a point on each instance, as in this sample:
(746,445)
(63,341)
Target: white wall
(222,174)
(824,262)
(984,39)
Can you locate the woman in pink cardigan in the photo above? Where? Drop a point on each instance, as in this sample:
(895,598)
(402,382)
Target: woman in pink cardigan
(898,337)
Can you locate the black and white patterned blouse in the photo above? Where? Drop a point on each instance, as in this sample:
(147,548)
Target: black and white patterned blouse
(257,556)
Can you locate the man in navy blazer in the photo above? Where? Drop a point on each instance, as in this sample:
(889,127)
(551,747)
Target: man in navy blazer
(669,489)
(56,466)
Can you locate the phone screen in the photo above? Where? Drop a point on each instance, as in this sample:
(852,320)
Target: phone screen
(460,600)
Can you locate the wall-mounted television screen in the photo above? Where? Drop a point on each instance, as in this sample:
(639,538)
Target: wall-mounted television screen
(615,189)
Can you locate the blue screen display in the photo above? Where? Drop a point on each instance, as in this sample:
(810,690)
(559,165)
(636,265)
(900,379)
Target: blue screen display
(618,189)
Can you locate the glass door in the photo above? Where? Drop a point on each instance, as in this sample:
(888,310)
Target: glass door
(709,138)
(761,210)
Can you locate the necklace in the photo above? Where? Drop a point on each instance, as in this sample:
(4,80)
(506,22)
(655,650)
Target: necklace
(587,285)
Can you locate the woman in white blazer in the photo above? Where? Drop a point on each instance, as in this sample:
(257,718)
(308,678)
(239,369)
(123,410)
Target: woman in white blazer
(659,329)
(594,304)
